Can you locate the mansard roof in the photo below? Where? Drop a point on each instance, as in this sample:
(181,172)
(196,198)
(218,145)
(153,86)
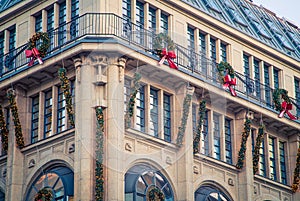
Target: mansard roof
(256,21)
(5,4)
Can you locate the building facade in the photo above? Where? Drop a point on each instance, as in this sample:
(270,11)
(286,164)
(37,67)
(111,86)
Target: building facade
(110,50)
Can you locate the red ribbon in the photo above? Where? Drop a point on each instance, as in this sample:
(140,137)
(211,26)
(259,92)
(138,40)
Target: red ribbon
(33,54)
(285,109)
(169,56)
(228,83)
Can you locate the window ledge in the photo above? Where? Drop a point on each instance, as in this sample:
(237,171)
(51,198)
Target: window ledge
(144,136)
(266,181)
(213,161)
(50,140)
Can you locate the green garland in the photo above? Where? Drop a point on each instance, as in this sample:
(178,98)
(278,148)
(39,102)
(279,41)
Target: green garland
(155,194)
(68,96)
(257,148)
(160,41)
(245,135)
(3,130)
(185,115)
(222,67)
(131,102)
(45,43)
(197,135)
(99,187)
(14,110)
(276,98)
(296,180)
(44,194)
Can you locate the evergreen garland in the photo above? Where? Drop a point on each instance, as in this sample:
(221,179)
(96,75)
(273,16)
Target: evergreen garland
(99,174)
(245,135)
(44,194)
(65,84)
(197,135)
(14,110)
(257,148)
(131,102)
(185,115)
(296,180)
(3,130)
(155,194)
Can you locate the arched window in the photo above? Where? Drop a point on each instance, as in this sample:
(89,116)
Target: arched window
(210,193)
(141,179)
(59,179)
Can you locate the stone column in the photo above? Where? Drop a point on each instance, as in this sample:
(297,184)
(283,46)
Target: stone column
(185,158)
(245,176)
(15,166)
(84,130)
(115,129)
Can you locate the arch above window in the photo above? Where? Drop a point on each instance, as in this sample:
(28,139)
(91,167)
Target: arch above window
(140,179)
(210,193)
(59,179)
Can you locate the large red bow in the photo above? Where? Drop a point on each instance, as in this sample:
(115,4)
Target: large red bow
(169,56)
(285,109)
(33,54)
(228,83)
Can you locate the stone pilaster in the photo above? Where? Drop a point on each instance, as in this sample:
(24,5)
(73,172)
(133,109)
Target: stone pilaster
(115,128)
(15,166)
(185,158)
(245,176)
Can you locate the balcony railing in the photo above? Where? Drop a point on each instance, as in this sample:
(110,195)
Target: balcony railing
(95,26)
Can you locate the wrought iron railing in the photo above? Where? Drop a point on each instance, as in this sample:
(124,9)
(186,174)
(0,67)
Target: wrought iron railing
(103,25)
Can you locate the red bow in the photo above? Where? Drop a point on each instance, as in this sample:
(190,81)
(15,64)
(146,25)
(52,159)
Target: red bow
(285,109)
(33,54)
(169,56)
(228,82)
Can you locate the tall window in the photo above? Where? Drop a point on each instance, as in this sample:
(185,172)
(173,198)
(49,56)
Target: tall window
(223,52)
(217,141)
(127,91)
(48,114)
(62,23)
(246,66)
(12,45)
(204,140)
(282,163)
(194,117)
(61,111)
(267,85)
(276,78)
(140,20)
(50,26)
(213,54)
(297,94)
(262,161)
(152,18)
(74,16)
(202,51)
(126,10)
(257,77)
(34,119)
(38,22)
(191,46)
(273,175)
(153,112)
(1,52)
(228,146)
(164,23)
(140,109)
(167,117)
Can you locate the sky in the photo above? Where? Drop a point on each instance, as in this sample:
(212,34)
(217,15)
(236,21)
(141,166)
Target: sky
(290,9)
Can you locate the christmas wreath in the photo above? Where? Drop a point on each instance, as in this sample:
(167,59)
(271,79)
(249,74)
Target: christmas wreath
(284,106)
(44,194)
(164,47)
(226,76)
(37,53)
(155,194)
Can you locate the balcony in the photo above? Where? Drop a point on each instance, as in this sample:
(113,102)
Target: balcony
(103,27)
